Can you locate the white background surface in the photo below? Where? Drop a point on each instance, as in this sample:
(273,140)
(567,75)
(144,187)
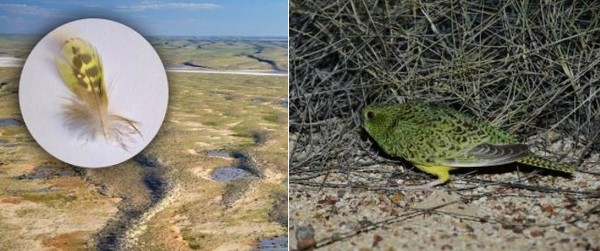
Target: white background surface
(135,80)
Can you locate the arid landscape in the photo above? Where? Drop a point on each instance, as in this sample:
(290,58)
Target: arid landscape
(214,178)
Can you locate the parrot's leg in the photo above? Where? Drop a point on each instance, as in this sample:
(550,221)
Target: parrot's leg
(442,173)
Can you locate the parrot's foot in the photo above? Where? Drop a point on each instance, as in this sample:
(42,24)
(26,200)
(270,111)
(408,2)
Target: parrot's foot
(442,173)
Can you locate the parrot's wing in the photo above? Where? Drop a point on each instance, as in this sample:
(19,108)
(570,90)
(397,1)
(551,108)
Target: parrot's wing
(488,155)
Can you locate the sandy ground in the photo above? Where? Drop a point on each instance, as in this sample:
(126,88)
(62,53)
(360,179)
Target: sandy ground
(499,210)
(11,62)
(240,72)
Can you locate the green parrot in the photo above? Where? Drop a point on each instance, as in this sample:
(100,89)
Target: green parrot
(437,140)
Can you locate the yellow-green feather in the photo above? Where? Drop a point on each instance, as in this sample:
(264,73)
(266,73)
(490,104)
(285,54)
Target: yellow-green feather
(87,112)
(80,67)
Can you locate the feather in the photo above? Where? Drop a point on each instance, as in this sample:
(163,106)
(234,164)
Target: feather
(86,111)
(488,155)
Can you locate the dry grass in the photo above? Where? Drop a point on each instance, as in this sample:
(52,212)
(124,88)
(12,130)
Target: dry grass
(528,67)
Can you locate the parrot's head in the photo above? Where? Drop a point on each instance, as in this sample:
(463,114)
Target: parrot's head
(377,120)
(380,120)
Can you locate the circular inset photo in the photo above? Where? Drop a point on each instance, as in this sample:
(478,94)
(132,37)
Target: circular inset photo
(93,93)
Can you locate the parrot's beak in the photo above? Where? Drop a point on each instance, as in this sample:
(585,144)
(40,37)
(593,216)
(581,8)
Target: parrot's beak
(362,118)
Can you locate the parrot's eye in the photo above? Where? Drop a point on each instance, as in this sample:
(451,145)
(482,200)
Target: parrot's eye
(370,115)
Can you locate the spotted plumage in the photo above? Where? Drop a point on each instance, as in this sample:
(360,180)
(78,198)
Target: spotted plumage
(80,67)
(437,140)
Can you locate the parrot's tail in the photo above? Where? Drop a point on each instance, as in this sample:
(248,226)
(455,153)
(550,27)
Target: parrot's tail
(546,164)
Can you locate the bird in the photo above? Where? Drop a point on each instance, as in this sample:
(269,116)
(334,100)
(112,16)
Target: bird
(438,140)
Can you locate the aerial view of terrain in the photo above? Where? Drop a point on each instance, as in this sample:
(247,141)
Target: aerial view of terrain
(214,178)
